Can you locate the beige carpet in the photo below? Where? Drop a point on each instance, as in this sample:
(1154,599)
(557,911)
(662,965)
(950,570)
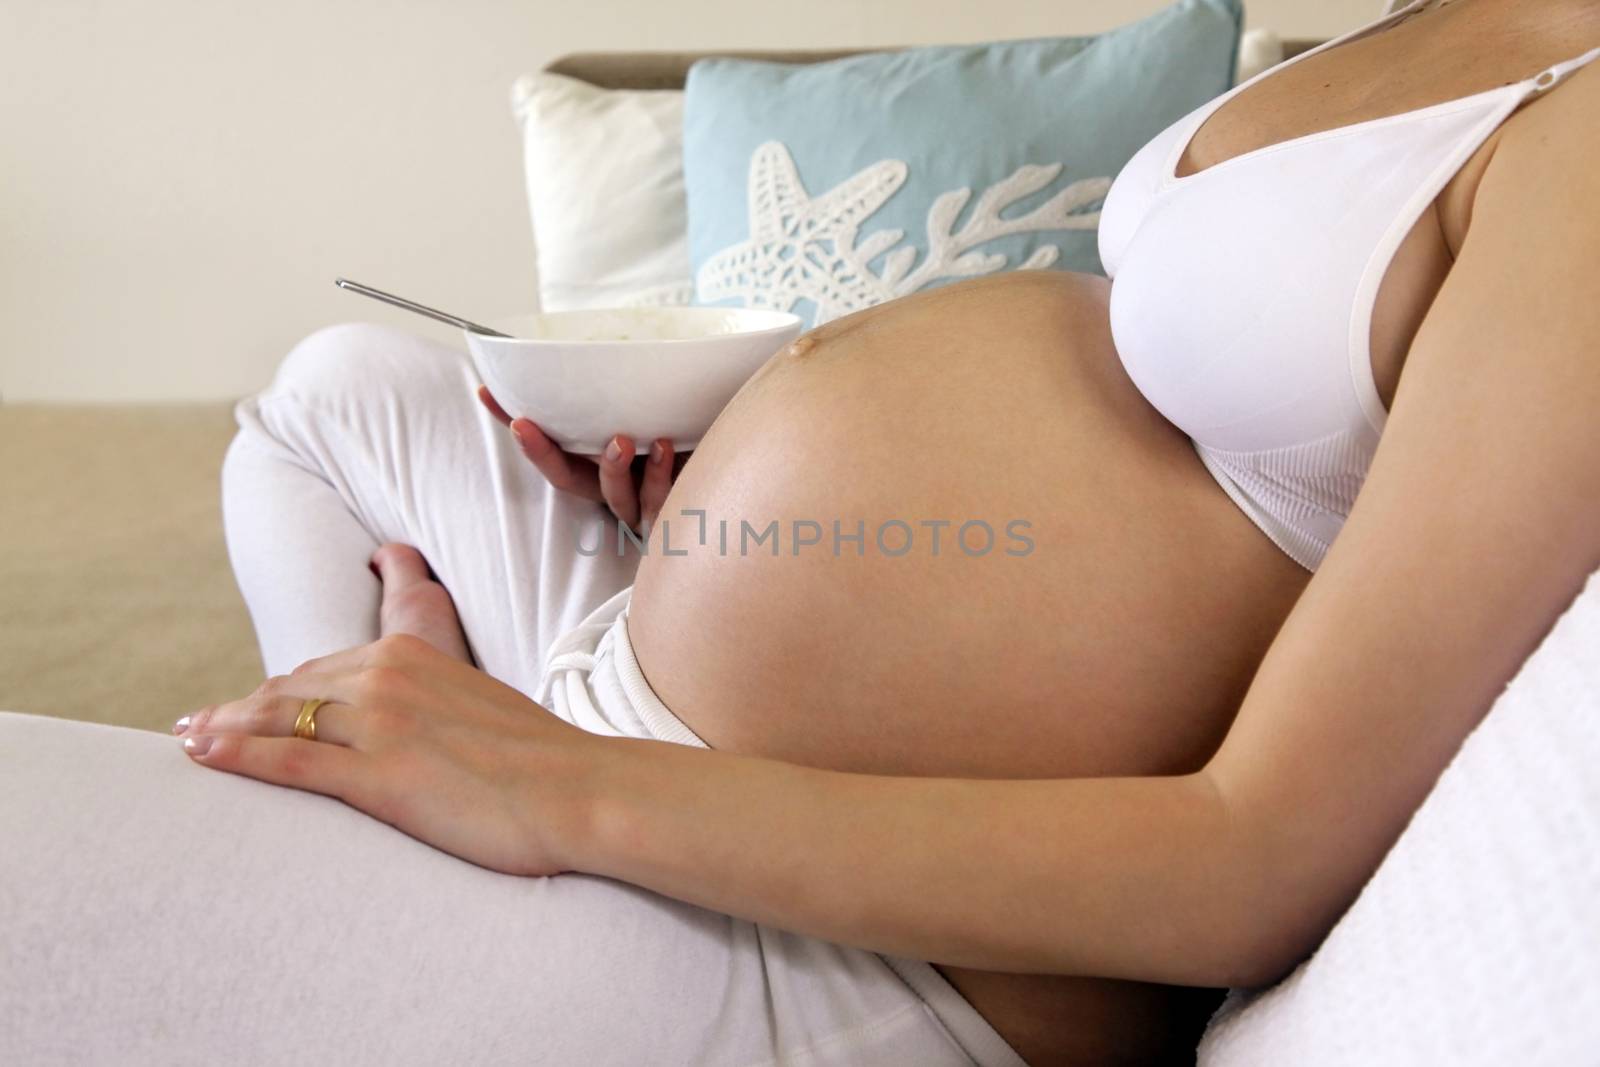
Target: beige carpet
(116,601)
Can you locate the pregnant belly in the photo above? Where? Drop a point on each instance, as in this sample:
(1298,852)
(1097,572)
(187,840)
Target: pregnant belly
(947,536)
(1107,624)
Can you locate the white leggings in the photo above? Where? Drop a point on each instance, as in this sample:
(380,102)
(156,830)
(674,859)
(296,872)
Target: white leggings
(155,911)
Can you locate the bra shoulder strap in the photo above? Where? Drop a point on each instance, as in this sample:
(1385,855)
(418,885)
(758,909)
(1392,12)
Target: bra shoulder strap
(1553,76)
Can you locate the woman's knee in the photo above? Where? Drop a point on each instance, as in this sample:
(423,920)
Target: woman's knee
(354,362)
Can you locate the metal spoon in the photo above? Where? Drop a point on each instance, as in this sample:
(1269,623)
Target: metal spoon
(412,305)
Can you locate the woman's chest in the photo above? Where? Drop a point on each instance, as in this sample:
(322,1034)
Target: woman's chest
(1269,300)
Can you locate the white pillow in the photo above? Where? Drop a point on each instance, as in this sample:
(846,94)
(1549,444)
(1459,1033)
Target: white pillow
(1258,51)
(604,172)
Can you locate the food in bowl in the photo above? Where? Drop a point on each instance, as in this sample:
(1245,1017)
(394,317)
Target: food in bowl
(585,376)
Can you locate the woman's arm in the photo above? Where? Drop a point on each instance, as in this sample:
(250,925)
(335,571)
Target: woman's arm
(1478,523)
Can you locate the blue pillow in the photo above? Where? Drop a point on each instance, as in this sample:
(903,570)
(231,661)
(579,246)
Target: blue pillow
(824,188)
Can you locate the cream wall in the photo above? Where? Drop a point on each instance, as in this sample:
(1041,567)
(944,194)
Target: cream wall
(181,180)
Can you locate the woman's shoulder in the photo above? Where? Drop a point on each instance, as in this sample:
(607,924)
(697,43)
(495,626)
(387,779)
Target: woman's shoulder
(1557,129)
(1563,118)
(1545,149)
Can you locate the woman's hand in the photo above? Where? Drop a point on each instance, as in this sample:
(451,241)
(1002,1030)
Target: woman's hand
(634,498)
(422,741)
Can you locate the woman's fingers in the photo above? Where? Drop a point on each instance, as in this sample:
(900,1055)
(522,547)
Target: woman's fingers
(616,480)
(559,469)
(488,401)
(333,770)
(565,472)
(657,483)
(268,712)
(609,480)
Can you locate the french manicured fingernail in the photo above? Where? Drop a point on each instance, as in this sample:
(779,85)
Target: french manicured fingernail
(181,725)
(613,451)
(516,434)
(197,746)
(658,452)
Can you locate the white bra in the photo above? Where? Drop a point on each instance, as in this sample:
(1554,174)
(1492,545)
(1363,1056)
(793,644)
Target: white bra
(1243,294)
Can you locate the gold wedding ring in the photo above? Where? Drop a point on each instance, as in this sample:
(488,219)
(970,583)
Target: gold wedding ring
(305,727)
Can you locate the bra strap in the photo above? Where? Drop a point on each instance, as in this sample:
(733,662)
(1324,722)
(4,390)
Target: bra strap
(1413,7)
(1552,76)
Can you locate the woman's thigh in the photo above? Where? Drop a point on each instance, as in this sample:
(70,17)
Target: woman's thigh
(155,911)
(370,434)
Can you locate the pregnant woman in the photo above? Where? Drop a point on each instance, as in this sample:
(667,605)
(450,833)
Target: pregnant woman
(1295,495)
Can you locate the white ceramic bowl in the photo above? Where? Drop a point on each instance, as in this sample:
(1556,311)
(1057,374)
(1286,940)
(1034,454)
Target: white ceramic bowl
(583,376)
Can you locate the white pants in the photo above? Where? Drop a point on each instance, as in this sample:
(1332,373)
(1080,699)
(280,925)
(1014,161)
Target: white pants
(155,911)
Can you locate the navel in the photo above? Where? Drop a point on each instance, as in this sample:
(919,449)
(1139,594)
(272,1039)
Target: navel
(800,347)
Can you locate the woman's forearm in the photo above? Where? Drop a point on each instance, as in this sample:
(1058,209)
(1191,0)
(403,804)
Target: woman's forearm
(1144,878)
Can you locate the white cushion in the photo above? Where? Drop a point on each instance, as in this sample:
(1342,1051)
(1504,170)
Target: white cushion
(604,171)
(1259,50)
(1478,939)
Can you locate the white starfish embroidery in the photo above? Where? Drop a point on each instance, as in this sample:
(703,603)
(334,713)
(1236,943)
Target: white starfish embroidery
(802,248)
